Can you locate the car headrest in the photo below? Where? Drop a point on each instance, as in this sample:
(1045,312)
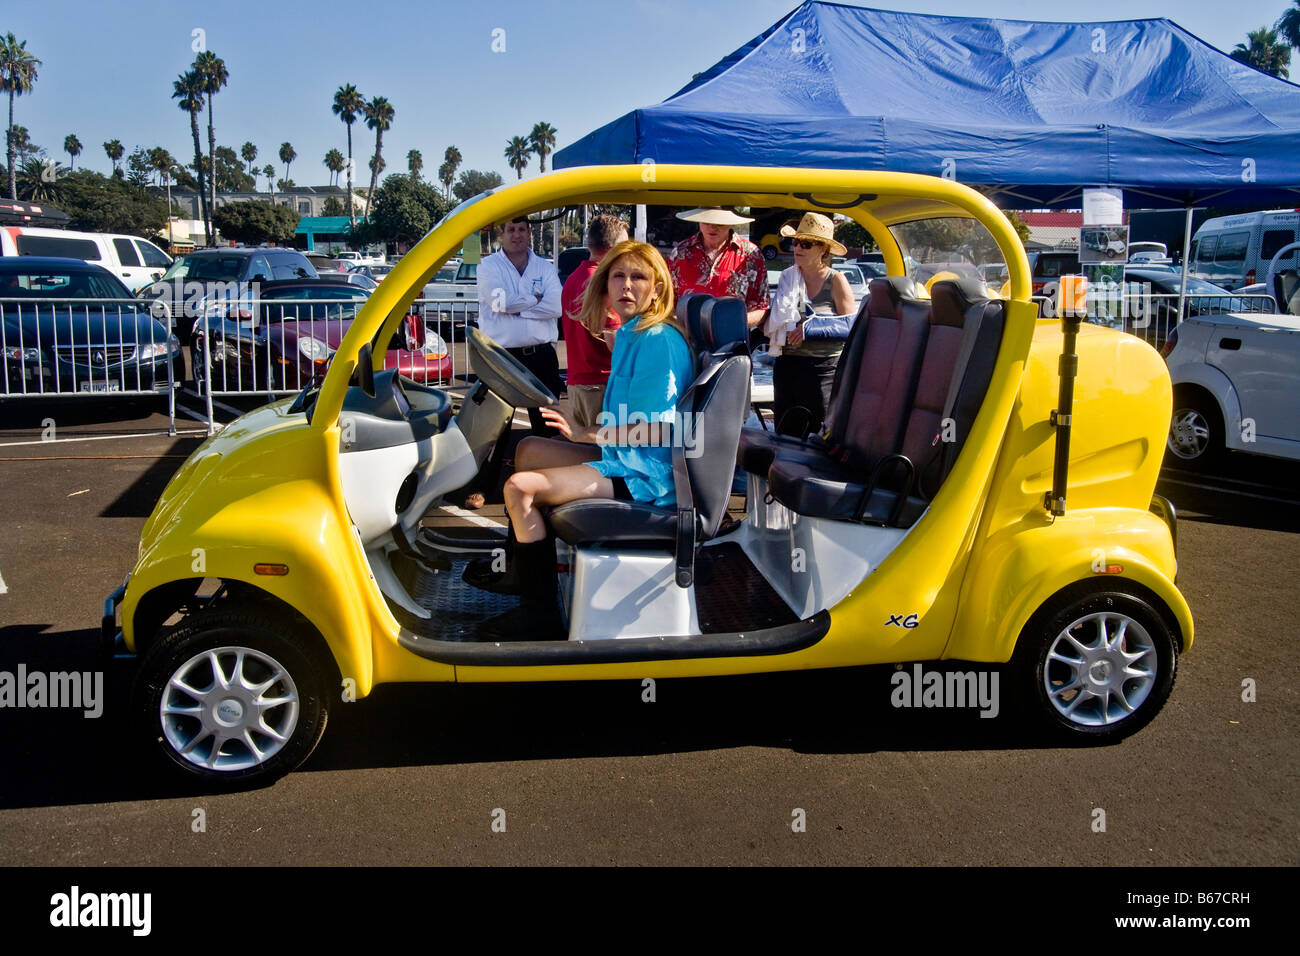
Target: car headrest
(951,299)
(722,323)
(884,294)
(688,309)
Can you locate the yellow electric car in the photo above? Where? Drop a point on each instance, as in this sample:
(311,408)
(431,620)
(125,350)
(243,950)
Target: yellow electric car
(982,491)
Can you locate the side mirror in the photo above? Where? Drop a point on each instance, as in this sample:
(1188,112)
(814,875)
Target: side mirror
(364,375)
(261,278)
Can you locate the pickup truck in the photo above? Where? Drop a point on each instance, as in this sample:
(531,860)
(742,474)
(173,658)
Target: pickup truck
(451,299)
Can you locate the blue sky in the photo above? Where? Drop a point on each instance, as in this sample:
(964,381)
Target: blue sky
(108,66)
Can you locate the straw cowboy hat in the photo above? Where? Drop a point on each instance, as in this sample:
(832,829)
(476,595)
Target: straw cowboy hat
(713,215)
(817,228)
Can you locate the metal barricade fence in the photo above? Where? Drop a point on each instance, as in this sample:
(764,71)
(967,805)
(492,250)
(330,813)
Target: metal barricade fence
(280,346)
(58,347)
(1151,315)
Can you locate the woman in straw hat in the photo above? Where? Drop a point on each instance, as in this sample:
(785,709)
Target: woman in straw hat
(806,346)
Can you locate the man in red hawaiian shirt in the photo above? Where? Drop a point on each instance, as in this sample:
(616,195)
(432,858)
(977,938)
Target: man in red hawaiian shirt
(717,261)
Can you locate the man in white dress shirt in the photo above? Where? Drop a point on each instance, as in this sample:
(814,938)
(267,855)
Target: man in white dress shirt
(519,307)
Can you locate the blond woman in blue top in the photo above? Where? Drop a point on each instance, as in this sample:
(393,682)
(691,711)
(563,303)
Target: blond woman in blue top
(627,455)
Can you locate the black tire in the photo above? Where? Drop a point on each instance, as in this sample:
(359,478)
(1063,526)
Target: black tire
(261,635)
(770,253)
(1044,654)
(1196,434)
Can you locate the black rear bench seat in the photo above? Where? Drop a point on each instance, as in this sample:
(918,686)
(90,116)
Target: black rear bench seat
(913,375)
(886,302)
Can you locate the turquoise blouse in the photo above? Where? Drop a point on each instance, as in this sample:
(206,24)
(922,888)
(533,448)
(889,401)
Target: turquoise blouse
(649,373)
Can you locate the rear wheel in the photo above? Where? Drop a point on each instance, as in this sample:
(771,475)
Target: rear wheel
(232,698)
(1096,665)
(1195,430)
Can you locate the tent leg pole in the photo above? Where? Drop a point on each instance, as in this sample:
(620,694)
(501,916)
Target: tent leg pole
(1182,280)
(640,224)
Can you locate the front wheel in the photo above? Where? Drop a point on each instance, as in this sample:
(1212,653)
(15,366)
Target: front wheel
(1096,666)
(231,698)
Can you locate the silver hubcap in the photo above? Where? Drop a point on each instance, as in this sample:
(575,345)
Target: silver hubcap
(1100,669)
(1189,433)
(230,708)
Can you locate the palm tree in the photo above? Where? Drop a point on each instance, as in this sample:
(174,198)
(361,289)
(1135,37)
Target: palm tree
(379,117)
(269,172)
(415,163)
(40,180)
(287,156)
(72,146)
(1288,25)
(542,141)
(17,75)
(447,172)
(347,104)
(188,88)
(162,162)
(1264,52)
(517,153)
(248,152)
(114,150)
(211,69)
(334,162)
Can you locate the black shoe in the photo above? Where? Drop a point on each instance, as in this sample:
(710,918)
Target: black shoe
(479,573)
(537,618)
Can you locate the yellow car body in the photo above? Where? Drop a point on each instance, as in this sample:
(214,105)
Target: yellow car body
(260,502)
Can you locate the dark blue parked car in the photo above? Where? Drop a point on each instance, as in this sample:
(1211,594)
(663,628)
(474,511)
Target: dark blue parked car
(71,326)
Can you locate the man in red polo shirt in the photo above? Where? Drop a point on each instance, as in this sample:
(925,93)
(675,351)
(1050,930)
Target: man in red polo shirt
(717,261)
(588,357)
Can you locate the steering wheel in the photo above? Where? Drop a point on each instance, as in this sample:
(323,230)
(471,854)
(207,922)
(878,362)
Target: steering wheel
(505,375)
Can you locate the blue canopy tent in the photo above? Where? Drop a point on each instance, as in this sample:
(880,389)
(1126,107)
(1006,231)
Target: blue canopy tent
(1029,112)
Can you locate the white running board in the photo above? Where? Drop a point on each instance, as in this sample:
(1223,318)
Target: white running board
(392,588)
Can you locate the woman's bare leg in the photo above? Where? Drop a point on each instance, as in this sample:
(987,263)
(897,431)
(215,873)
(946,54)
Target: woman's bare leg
(527,490)
(535,454)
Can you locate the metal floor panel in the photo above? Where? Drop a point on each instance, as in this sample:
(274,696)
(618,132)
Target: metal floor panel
(457,608)
(731,594)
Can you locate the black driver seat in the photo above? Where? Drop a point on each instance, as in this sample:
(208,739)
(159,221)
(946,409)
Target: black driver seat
(710,414)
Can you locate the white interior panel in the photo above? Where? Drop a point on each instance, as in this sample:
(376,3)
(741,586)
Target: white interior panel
(628,594)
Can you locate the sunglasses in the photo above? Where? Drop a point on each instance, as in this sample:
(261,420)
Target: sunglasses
(806,244)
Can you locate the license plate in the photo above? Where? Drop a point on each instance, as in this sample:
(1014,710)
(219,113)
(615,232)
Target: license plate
(101,387)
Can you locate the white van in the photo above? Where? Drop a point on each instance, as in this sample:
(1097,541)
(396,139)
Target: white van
(1233,251)
(137,262)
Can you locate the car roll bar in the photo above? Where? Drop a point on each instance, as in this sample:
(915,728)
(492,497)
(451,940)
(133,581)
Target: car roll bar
(1062,416)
